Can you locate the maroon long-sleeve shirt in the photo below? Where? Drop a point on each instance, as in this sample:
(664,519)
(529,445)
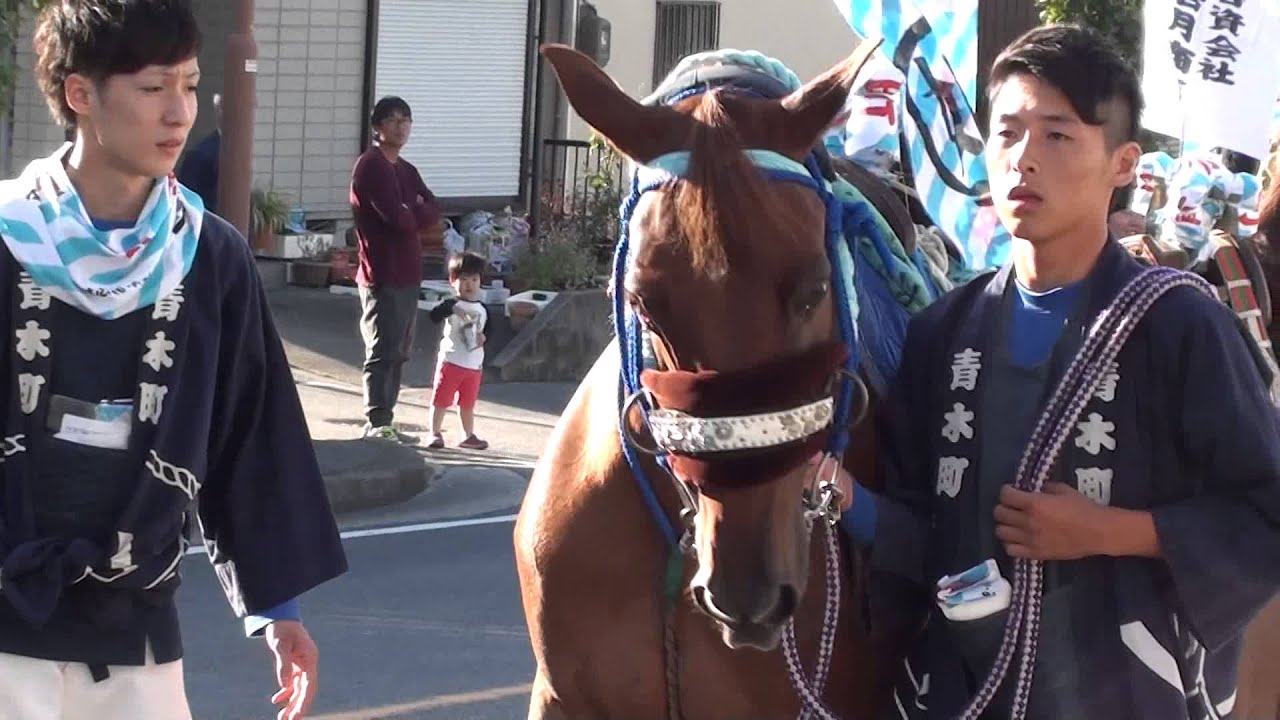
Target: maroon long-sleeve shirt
(391,204)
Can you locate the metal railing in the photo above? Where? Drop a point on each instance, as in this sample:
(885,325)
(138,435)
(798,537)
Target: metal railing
(580,185)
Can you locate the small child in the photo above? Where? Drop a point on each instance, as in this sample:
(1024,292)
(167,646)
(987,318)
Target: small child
(461,359)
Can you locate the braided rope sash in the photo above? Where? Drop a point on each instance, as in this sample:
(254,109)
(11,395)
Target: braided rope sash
(1105,340)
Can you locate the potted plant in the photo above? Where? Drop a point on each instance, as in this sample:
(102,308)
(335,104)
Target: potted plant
(268,212)
(314,267)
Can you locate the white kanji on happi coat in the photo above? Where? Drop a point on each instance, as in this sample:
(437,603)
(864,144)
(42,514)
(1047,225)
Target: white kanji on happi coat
(33,296)
(964,371)
(151,401)
(168,306)
(1095,484)
(158,349)
(1095,434)
(29,387)
(31,341)
(1106,391)
(959,423)
(951,475)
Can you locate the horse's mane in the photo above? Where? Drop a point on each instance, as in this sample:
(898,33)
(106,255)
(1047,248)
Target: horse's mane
(724,198)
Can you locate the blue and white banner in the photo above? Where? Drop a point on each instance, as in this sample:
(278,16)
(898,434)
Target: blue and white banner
(933,46)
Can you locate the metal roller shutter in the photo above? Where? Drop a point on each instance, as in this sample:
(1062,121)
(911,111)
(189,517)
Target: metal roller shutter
(460,64)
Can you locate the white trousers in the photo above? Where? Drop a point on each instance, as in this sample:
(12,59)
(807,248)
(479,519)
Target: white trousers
(32,689)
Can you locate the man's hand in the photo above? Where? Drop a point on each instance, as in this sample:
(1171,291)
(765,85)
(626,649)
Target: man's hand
(1061,524)
(1056,524)
(480,340)
(296,663)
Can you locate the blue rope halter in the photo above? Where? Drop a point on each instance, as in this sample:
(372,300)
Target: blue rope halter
(845,223)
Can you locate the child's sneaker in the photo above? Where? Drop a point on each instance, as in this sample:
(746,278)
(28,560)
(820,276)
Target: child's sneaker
(473,443)
(437,443)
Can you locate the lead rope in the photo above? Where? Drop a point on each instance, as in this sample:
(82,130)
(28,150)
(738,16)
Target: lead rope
(1105,340)
(810,690)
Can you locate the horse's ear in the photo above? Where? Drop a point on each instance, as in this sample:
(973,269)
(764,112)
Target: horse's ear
(811,109)
(640,132)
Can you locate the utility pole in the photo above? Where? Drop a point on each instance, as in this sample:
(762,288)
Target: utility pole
(235,161)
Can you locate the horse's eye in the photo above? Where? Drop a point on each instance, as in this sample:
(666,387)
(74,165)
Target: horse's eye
(809,297)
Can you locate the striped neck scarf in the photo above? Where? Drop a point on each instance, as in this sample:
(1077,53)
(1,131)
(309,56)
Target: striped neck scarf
(106,273)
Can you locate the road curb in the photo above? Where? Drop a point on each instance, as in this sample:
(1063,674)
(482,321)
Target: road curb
(366,473)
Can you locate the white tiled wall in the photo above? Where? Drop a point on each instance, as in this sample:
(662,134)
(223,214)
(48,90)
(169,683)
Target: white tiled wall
(310,90)
(35,134)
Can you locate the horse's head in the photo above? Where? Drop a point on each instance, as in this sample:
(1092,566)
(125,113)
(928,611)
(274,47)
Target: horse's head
(730,274)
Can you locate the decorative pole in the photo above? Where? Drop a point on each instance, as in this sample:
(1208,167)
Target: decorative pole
(235,163)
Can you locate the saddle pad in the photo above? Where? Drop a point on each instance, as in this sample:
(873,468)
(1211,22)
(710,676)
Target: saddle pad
(1147,250)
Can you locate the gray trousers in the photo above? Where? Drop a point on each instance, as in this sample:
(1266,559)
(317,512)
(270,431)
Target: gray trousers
(387,325)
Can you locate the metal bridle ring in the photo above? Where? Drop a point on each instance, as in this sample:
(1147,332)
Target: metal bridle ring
(629,435)
(861,388)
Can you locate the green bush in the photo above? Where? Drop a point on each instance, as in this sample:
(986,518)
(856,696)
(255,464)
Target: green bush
(575,237)
(557,264)
(1120,20)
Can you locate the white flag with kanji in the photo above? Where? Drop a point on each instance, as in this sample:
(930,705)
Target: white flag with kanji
(1210,76)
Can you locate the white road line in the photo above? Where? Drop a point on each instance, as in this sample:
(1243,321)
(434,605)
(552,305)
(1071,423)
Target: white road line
(438,702)
(336,387)
(539,419)
(424,527)
(404,529)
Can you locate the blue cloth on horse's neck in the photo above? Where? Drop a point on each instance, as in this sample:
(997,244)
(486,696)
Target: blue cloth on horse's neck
(859,521)
(1037,322)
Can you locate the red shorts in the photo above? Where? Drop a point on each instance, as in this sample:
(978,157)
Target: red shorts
(455,381)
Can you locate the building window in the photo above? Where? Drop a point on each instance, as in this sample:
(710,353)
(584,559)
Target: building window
(683,28)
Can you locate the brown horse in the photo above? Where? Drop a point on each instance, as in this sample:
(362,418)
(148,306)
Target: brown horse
(732,280)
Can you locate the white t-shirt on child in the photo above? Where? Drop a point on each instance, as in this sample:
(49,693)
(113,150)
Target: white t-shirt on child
(459,344)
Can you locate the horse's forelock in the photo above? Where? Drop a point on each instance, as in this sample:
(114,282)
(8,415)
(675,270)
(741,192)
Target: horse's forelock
(723,196)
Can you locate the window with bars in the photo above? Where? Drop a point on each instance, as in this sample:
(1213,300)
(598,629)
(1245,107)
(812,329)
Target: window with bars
(683,28)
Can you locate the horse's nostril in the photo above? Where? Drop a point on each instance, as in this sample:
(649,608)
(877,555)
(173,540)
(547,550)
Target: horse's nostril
(788,601)
(782,606)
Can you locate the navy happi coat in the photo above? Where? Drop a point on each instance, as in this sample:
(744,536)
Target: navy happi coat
(91,539)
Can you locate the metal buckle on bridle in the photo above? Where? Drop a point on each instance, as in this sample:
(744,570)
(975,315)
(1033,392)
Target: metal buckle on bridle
(688,495)
(822,499)
(631,437)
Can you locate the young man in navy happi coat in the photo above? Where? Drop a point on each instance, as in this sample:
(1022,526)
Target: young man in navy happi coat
(1160,525)
(143,377)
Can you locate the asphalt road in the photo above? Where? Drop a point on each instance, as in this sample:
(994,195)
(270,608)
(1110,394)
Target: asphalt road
(427,624)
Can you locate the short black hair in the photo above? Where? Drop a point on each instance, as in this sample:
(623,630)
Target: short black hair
(386,107)
(102,38)
(1082,64)
(467,263)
